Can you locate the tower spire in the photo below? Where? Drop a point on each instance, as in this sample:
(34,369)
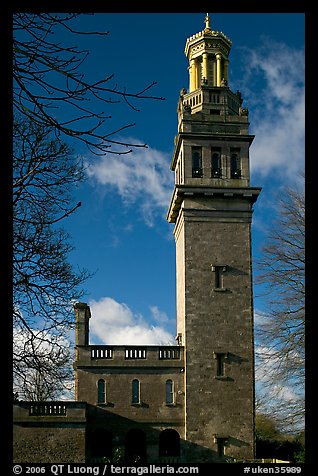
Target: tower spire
(207,22)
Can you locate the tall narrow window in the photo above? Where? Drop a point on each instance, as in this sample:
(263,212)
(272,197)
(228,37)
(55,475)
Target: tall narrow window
(169,392)
(197,162)
(135,391)
(221,443)
(218,277)
(235,164)
(216,171)
(220,358)
(101,391)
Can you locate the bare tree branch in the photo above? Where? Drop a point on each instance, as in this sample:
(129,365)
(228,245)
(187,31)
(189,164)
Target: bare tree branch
(47,77)
(281,334)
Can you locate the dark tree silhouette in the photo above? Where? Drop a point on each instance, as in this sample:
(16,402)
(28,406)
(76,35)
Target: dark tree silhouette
(54,106)
(47,78)
(44,283)
(281,335)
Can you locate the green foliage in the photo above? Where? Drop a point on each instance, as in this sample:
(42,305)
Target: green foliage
(266,429)
(272,443)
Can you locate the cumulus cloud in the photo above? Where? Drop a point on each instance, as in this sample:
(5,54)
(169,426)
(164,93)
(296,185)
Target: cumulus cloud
(143,176)
(115,323)
(274,87)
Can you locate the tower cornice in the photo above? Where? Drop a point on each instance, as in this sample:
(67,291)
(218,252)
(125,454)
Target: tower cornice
(180,192)
(207,35)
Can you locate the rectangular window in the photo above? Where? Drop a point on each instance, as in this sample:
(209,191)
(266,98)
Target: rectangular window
(216,171)
(220,365)
(169,392)
(235,163)
(221,442)
(218,276)
(220,358)
(197,162)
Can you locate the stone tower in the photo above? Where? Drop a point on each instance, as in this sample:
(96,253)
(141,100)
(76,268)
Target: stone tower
(211,208)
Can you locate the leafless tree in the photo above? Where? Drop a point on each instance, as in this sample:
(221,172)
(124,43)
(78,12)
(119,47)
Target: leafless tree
(281,332)
(53,104)
(48,80)
(44,284)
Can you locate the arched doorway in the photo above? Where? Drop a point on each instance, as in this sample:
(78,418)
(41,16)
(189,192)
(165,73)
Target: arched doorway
(169,443)
(101,444)
(135,447)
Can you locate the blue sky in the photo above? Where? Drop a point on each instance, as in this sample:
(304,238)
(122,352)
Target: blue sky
(120,232)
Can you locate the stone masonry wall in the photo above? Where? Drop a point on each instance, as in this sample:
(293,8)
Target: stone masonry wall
(48,444)
(218,321)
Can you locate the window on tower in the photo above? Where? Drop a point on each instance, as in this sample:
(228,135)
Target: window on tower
(220,358)
(197,162)
(216,171)
(221,443)
(235,163)
(219,277)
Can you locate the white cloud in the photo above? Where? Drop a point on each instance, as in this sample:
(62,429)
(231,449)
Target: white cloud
(274,88)
(159,316)
(279,143)
(115,323)
(143,176)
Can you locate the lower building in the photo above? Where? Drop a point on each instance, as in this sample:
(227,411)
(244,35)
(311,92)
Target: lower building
(129,408)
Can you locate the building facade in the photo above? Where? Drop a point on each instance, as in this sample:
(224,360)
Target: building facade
(192,402)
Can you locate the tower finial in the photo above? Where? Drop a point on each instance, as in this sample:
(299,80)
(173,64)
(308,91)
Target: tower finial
(207,22)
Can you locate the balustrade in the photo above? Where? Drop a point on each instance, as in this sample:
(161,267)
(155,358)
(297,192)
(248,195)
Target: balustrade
(47,409)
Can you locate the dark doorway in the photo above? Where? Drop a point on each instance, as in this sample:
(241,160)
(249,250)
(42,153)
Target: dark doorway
(101,443)
(169,443)
(135,447)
